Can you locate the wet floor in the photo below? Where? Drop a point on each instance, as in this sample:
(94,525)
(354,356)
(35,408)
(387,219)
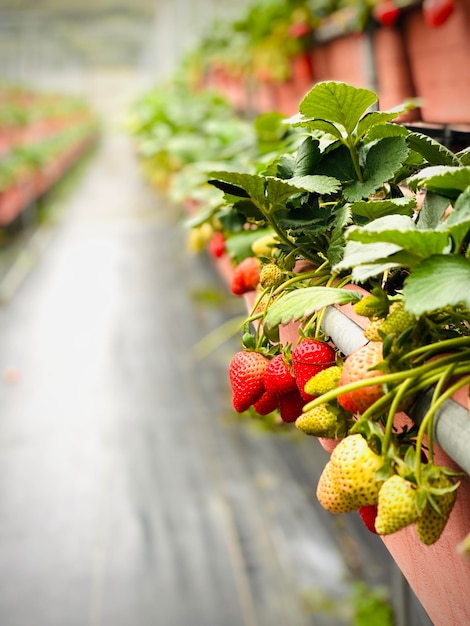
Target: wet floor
(129,493)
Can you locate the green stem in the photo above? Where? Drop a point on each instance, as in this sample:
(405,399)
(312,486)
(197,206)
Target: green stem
(355,160)
(385,379)
(438,346)
(394,409)
(283,237)
(430,415)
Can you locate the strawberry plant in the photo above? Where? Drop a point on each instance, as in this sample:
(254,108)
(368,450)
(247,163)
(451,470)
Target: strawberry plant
(343,206)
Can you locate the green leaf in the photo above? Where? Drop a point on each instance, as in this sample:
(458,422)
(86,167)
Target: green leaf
(433,151)
(356,254)
(432,211)
(375,118)
(446,181)
(308,155)
(337,102)
(323,125)
(302,303)
(313,183)
(239,245)
(402,232)
(373,209)
(439,281)
(363,273)
(383,160)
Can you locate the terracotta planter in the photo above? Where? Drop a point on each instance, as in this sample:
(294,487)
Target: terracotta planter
(438,575)
(392,71)
(439,65)
(342,58)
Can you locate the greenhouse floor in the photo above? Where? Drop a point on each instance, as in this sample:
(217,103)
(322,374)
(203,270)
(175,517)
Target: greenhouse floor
(130,494)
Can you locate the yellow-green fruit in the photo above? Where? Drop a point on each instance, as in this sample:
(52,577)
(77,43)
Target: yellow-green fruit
(264,245)
(319,422)
(271,275)
(324,381)
(397,320)
(430,523)
(397,505)
(350,480)
(199,236)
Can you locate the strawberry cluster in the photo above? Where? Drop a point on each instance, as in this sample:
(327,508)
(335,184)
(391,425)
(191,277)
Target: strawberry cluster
(277,383)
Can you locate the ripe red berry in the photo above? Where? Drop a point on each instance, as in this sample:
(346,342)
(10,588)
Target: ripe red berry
(368,514)
(246,371)
(386,12)
(290,406)
(266,404)
(246,276)
(308,358)
(217,245)
(278,378)
(436,12)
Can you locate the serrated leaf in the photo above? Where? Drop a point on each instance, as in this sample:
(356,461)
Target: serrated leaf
(322,125)
(432,211)
(439,281)
(375,118)
(308,155)
(302,303)
(356,254)
(373,209)
(363,273)
(446,181)
(402,232)
(322,185)
(433,151)
(383,161)
(337,102)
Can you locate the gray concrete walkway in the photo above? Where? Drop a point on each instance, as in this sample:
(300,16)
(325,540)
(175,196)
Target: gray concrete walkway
(129,496)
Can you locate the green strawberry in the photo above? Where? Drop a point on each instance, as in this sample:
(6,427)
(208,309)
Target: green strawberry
(397,320)
(324,381)
(271,275)
(348,481)
(359,365)
(373,305)
(246,371)
(431,522)
(322,421)
(397,505)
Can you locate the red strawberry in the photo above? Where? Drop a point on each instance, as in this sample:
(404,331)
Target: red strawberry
(266,404)
(278,379)
(217,244)
(246,371)
(246,276)
(386,12)
(368,514)
(308,358)
(357,366)
(290,406)
(436,12)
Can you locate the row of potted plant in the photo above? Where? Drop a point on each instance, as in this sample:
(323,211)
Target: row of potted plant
(349,210)
(398,48)
(42,136)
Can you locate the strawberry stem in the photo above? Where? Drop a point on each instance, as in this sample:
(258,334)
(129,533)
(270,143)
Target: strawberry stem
(428,418)
(393,410)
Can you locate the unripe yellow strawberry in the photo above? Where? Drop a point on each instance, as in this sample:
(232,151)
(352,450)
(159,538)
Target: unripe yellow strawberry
(349,482)
(271,275)
(430,523)
(264,245)
(397,320)
(199,236)
(371,332)
(324,381)
(397,505)
(319,422)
